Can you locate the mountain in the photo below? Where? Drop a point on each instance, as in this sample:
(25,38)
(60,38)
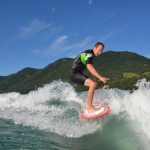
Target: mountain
(1,78)
(115,63)
(123,68)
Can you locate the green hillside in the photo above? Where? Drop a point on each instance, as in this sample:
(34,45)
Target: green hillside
(115,63)
(1,78)
(123,68)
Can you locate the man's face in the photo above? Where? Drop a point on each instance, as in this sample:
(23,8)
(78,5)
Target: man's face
(98,50)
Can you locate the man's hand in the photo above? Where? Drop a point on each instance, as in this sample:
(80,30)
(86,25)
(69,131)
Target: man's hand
(104,79)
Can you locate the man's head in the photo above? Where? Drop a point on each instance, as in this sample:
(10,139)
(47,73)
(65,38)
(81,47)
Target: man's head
(98,48)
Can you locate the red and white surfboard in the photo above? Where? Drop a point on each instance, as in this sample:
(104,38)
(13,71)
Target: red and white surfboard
(102,110)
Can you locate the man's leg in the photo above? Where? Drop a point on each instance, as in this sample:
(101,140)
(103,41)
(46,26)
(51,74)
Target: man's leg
(92,86)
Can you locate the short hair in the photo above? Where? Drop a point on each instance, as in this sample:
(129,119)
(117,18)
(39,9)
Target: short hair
(99,43)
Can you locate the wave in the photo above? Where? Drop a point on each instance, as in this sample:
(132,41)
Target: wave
(56,107)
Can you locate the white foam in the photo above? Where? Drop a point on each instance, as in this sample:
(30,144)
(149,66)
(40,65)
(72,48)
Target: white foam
(135,105)
(138,106)
(34,109)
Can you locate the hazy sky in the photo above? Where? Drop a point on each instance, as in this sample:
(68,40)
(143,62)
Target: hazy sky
(34,33)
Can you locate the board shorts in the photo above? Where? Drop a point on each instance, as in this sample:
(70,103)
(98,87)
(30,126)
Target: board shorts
(78,77)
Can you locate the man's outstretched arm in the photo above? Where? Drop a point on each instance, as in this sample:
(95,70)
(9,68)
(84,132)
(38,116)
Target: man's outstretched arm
(93,71)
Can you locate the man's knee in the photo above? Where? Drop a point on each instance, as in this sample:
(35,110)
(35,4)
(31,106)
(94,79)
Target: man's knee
(90,83)
(93,84)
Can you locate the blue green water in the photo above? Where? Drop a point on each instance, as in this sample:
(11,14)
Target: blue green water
(48,119)
(117,135)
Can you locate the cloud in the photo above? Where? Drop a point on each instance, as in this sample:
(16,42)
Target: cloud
(35,51)
(74,49)
(90,2)
(62,45)
(109,35)
(110,16)
(112,33)
(58,44)
(53,9)
(81,45)
(33,28)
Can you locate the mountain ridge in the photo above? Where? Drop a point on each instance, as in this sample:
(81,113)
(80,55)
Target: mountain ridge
(123,68)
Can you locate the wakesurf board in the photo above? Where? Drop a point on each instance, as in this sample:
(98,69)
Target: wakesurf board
(102,109)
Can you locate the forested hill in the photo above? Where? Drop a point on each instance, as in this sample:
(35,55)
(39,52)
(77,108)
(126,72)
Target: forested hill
(123,68)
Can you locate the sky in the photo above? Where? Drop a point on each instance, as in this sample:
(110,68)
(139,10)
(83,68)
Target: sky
(35,33)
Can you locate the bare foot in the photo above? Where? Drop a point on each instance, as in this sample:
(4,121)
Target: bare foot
(91,109)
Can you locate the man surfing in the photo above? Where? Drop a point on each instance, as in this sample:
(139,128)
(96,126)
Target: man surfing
(85,61)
